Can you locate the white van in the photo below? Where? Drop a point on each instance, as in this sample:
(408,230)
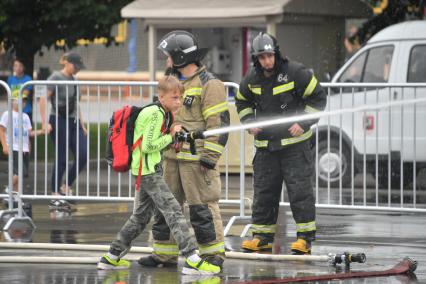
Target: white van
(396,54)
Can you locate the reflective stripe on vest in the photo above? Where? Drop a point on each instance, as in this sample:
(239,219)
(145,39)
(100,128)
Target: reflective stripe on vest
(245,112)
(213,146)
(285,141)
(182,155)
(240,96)
(196,91)
(283,88)
(215,109)
(256,91)
(311,87)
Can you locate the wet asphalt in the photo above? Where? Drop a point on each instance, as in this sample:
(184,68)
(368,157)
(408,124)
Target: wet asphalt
(385,237)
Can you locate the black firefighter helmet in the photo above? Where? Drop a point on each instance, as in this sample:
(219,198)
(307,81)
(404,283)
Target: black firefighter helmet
(182,47)
(264,43)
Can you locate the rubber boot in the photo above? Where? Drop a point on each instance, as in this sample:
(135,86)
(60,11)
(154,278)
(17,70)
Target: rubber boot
(258,243)
(301,246)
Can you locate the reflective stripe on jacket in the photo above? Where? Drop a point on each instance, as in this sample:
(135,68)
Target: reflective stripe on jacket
(205,107)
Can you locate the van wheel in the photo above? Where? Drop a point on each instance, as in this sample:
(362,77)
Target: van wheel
(330,163)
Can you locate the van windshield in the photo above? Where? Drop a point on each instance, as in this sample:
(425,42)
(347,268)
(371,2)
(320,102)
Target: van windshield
(371,66)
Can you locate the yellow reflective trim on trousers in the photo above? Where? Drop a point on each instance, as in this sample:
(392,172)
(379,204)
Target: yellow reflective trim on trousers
(245,112)
(306,227)
(216,248)
(214,146)
(215,109)
(283,88)
(240,96)
(285,141)
(193,92)
(309,109)
(311,87)
(256,91)
(187,156)
(267,229)
(167,249)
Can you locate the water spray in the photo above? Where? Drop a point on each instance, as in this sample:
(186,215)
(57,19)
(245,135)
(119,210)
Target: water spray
(304,117)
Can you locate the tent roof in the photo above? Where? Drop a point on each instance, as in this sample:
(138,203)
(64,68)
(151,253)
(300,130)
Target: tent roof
(223,13)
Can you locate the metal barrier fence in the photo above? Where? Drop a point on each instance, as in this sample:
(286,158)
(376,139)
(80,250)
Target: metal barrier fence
(372,156)
(12,214)
(97,102)
(360,149)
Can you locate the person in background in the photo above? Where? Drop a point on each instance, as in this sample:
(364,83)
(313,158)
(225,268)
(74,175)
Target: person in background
(64,100)
(15,82)
(26,134)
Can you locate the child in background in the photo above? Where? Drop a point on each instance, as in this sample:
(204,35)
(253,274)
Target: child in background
(27,133)
(15,82)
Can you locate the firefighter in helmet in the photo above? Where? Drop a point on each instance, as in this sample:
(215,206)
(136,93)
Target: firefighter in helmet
(193,177)
(278,87)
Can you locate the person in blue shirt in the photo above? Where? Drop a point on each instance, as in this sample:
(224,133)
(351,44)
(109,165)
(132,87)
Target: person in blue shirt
(15,82)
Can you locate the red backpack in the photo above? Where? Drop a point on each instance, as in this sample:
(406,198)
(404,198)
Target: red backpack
(120,139)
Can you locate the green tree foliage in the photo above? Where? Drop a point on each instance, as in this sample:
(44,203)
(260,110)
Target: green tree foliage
(28,25)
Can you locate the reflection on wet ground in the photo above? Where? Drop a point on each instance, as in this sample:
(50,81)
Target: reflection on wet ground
(384,237)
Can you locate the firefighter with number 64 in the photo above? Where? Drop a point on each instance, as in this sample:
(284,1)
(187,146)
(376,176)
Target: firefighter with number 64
(277,87)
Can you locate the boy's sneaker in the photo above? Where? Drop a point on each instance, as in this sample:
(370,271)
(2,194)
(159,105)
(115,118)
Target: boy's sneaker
(203,267)
(152,261)
(106,263)
(215,260)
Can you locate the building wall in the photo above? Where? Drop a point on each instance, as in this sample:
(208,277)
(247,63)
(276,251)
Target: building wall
(315,42)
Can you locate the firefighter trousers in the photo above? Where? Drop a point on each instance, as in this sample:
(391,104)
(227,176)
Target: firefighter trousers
(201,190)
(294,165)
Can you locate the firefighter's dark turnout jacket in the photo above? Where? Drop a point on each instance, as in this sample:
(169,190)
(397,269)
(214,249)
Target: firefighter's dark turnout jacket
(291,90)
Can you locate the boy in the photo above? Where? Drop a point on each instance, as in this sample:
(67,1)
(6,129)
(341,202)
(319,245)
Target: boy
(153,124)
(27,132)
(15,82)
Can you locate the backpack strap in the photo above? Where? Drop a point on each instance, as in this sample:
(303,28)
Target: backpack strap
(138,143)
